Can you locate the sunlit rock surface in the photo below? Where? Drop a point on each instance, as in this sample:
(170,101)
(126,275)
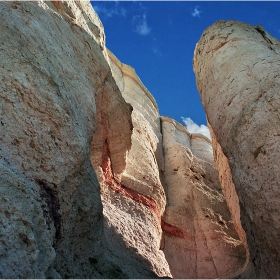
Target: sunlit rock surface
(199,237)
(237,68)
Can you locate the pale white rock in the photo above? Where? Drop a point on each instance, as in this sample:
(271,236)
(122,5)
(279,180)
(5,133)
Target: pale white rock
(135,93)
(199,237)
(201,147)
(237,70)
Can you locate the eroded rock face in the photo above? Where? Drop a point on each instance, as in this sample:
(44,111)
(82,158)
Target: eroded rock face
(199,237)
(133,197)
(237,68)
(230,194)
(54,71)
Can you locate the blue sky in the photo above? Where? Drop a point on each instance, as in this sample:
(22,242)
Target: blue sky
(158,38)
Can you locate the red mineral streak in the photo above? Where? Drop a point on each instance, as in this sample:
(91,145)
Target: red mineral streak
(58,5)
(220,45)
(174,231)
(223,43)
(111,182)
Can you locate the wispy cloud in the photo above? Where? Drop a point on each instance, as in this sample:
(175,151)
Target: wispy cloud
(141,25)
(196,12)
(195,128)
(156,47)
(156,51)
(109,12)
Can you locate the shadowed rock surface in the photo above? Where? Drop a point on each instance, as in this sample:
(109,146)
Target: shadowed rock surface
(237,68)
(133,198)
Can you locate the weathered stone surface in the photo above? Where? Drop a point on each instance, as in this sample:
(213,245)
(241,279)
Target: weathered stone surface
(237,69)
(133,198)
(199,237)
(232,199)
(54,71)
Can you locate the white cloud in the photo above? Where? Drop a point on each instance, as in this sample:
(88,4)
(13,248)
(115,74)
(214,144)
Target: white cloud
(117,10)
(142,27)
(195,128)
(196,12)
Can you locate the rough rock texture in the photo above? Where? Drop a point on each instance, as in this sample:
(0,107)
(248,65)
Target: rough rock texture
(229,192)
(79,130)
(133,197)
(54,71)
(237,66)
(199,237)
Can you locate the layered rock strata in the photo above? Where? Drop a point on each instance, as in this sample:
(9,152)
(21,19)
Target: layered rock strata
(237,69)
(199,237)
(134,199)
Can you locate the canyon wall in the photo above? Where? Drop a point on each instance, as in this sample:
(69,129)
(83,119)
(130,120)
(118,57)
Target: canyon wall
(237,69)
(133,199)
(93,182)
(199,237)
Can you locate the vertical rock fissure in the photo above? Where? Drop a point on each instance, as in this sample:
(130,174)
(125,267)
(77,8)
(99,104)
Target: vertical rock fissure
(50,206)
(195,237)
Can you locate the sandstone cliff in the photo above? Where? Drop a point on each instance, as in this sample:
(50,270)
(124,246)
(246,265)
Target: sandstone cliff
(133,199)
(93,183)
(237,68)
(199,237)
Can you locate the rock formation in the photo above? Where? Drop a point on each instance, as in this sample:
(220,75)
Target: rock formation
(133,198)
(199,237)
(237,68)
(93,183)
(54,72)
(199,240)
